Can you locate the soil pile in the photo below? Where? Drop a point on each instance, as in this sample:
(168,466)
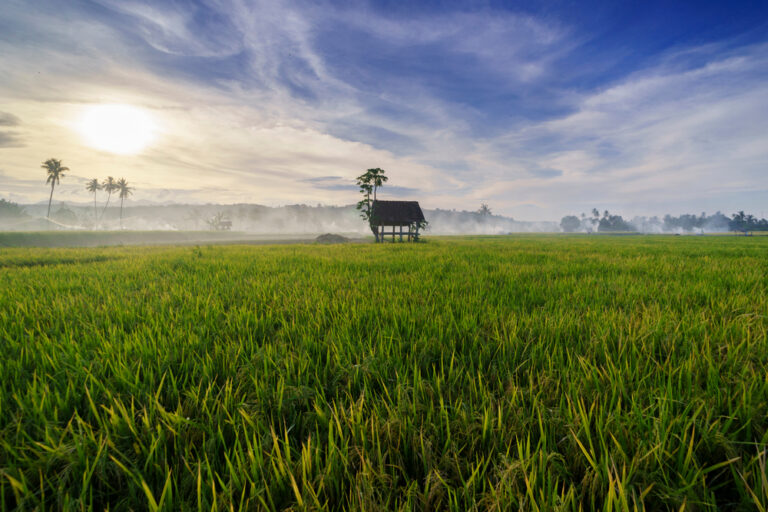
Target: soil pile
(330,238)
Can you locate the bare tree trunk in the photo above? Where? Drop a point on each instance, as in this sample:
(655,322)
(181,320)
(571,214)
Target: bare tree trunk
(121,213)
(95,213)
(374,228)
(48,215)
(105,206)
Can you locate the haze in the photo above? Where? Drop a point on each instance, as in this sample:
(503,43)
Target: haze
(540,110)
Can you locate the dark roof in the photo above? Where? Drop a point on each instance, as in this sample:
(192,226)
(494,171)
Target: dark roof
(396,212)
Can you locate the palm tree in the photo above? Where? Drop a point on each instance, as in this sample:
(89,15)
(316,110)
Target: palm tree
(378,178)
(484,209)
(370,182)
(55,173)
(125,191)
(109,185)
(93,186)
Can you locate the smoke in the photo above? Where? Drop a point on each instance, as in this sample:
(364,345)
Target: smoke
(683,225)
(451,222)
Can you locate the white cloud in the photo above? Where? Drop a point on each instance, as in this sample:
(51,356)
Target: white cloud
(661,133)
(661,136)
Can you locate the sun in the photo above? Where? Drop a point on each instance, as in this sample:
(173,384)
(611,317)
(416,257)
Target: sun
(120,129)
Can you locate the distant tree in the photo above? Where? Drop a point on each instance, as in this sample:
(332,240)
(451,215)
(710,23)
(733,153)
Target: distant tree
(570,223)
(125,191)
(55,172)
(738,222)
(741,221)
(614,223)
(718,221)
(369,184)
(595,213)
(690,222)
(65,216)
(109,185)
(218,222)
(9,209)
(484,210)
(93,186)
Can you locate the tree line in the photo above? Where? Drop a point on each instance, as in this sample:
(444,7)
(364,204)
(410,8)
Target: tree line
(607,222)
(55,171)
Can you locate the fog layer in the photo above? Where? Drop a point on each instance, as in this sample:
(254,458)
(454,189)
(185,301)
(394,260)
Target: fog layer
(249,218)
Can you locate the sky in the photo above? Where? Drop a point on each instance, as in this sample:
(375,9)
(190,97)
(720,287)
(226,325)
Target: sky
(539,109)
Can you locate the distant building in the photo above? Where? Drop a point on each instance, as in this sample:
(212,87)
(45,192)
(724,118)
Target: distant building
(404,217)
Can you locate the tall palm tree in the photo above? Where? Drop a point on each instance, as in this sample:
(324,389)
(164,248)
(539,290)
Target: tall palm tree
(109,185)
(370,182)
(93,186)
(378,178)
(55,173)
(125,191)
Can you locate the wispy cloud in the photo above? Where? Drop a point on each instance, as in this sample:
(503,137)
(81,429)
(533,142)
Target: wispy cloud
(7,119)
(284,103)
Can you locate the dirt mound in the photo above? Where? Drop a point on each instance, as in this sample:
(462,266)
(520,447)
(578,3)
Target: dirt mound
(330,238)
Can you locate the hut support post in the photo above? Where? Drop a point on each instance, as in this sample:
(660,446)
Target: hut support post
(401,232)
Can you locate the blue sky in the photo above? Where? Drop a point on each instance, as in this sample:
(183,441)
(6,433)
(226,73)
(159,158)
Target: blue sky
(539,108)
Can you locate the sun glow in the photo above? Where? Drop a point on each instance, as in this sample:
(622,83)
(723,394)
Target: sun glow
(121,129)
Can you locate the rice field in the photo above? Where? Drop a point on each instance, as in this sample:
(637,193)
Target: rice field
(487,373)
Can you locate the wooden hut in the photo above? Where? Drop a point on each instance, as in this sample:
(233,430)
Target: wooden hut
(403,217)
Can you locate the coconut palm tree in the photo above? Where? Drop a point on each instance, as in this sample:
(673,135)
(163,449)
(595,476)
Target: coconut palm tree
(93,186)
(125,191)
(370,183)
(55,173)
(109,185)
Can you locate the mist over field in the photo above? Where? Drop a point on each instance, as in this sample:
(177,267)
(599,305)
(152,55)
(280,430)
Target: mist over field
(256,219)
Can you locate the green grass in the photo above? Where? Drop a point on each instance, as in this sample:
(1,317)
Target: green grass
(535,373)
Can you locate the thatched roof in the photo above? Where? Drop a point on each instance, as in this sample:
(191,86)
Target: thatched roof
(396,212)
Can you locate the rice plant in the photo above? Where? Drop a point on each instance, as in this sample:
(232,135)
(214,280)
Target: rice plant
(487,373)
